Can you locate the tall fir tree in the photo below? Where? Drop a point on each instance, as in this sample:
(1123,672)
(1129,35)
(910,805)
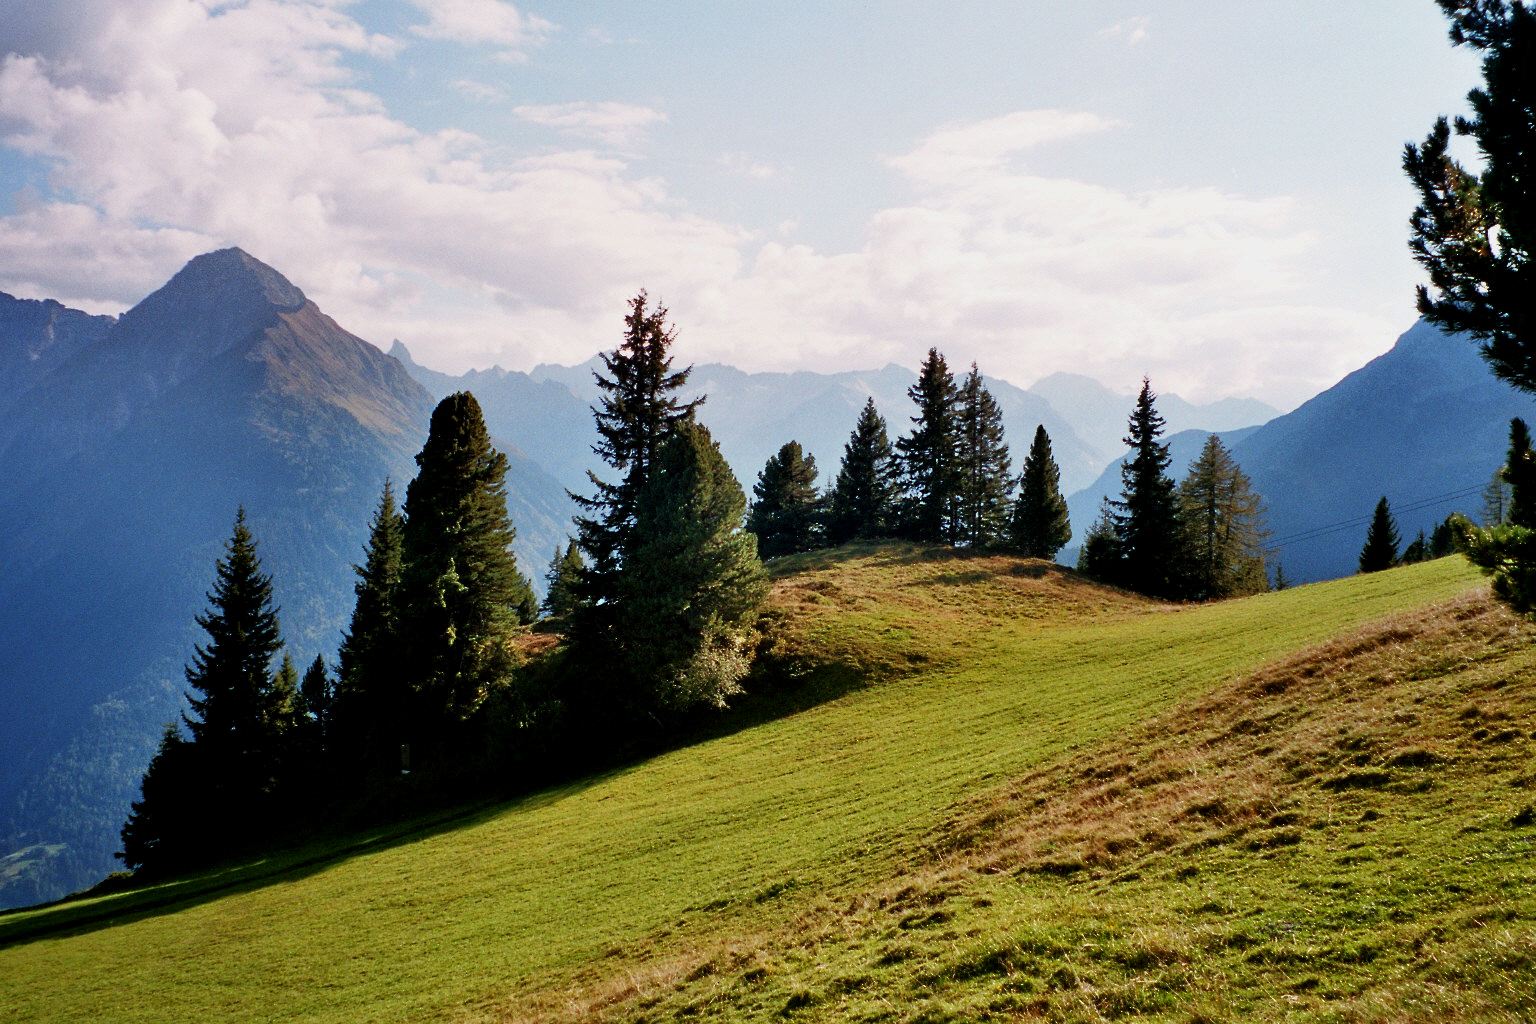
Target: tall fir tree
(983,466)
(166,827)
(1040,525)
(1224,519)
(239,709)
(1099,557)
(639,410)
(369,701)
(692,587)
(1381,540)
(1519,472)
(862,502)
(1152,552)
(927,456)
(561,582)
(460,586)
(785,514)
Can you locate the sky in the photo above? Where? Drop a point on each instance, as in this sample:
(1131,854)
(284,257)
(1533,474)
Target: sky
(1206,194)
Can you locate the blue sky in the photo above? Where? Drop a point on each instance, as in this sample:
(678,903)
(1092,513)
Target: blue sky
(1208,194)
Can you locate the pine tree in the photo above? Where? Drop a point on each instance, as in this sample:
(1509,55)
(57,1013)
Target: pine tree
(369,701)
(1153,556)
(927,456)
(1099,558)
(786,513)
(692,587)
(1496,499)
(1417,550)
(563,578)
(1040,526)
(1519,472)
(638,412)
(1225,524)
(982,464)
(1442,541)
(1381,540)
(240,709)
(164,828)
(1476,232)
(862,502)
(460,586)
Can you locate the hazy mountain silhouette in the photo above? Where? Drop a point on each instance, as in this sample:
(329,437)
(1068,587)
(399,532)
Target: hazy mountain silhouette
(121,468)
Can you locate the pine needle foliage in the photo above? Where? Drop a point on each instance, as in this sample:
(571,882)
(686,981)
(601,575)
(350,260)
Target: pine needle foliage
(460,584)
(1224,520)
(562,580)
(1475,232)
(786,510)
(1151,539)
(1040,526)
(1381,540)
(863,499)
(928,456)
(983,466)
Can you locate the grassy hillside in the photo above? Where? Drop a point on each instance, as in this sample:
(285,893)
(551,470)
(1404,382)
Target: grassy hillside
(1049,800)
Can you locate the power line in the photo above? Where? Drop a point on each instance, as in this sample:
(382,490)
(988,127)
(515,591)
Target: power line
(1359,521)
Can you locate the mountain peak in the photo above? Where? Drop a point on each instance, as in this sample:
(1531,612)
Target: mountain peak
(234,275)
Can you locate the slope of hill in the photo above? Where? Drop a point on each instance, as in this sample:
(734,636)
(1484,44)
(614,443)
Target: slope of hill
(121,468)
(1424,425)
(1046,800)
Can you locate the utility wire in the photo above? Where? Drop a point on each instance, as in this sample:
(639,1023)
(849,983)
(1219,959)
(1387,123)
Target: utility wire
(1359,521)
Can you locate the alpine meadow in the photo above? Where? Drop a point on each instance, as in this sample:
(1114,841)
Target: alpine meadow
(344,687)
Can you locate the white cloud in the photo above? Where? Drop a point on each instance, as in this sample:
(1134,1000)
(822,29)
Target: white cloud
(982,147)
(489,22)
(1132,30)
(744,165)
(613,124)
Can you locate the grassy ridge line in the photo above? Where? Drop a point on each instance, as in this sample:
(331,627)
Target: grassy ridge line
(1022,669)
(1347,834)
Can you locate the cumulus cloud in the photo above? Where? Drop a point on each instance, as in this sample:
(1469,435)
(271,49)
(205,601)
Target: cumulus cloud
(188,126)
(612,124)
(489,22)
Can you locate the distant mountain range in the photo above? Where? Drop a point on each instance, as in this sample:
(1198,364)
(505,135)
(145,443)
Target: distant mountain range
(125,448)
(126,445)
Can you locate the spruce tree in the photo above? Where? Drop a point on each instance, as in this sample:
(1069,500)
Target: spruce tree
(1040,526)
(165,827)
(929,469)
(460,586)
(1519,472)
(983,470)
(239,710)
(693,585)
(1152,552)
(862,502)
(369,701)
(1099,557)
(561,581)
(1224,520)
(639,410)
(1381,540)
(785,514)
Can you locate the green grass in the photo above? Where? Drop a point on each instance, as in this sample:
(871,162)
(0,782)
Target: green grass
(919,848)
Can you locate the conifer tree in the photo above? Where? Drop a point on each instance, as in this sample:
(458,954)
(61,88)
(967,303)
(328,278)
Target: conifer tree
(785,514)
(1099,557)
(1417,550)
(563,578)
(638,412)
(1475,232)
(927,456)
(164,827)
(460,586)
(983,471)
(693,585)
(1040,526)
(239,708)
(369,701)
(1519,472)
(1381,540)
(1225,524)
(862,502)
(1152,552)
